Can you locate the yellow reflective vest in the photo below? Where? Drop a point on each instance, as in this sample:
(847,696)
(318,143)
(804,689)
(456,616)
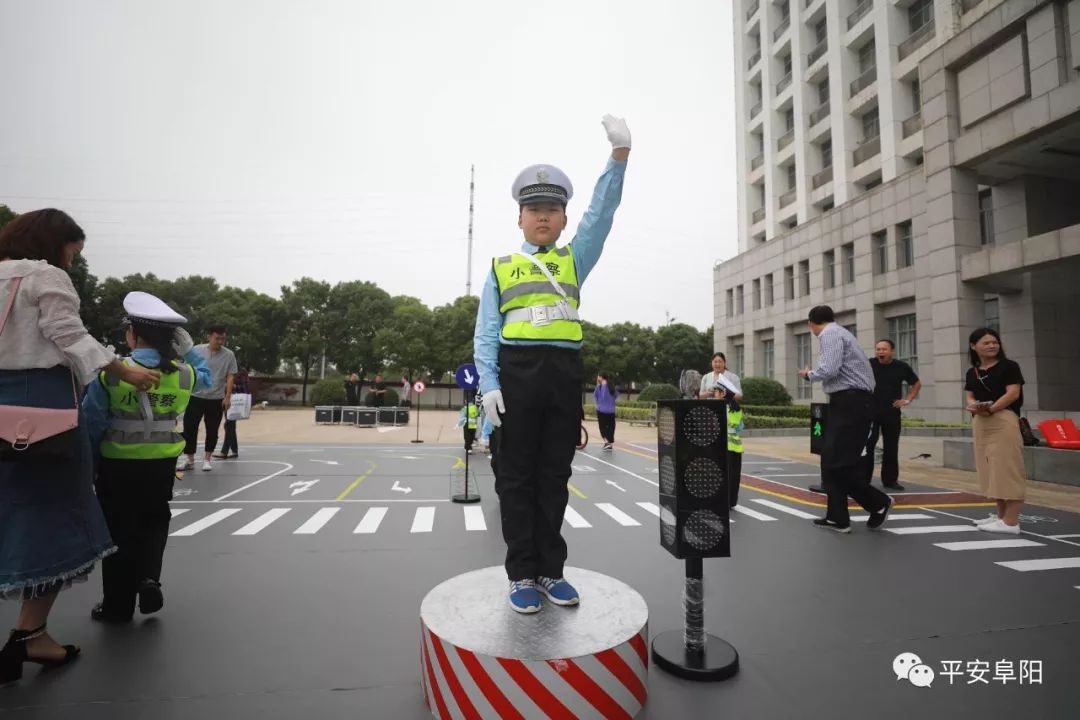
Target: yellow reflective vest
(522,286)
(145,429)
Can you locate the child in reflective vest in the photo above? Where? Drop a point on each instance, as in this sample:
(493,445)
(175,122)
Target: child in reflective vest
(469,420)
(136,442)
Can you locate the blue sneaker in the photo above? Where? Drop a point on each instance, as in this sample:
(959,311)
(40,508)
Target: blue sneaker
(523,596)
(558,590)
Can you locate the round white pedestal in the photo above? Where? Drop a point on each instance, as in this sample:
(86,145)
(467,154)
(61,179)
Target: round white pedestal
(480,659)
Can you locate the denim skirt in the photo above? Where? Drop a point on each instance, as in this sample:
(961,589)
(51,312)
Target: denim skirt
(52,530)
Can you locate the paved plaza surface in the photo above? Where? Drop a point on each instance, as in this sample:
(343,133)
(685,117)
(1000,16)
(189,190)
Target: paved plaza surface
(294,576)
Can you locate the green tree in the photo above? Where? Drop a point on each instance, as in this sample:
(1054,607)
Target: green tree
(6,216)
(680,347)
(86,285)
(306,304)
(454,327)
(256,323)
(629,354)
(355,313)
(405,343)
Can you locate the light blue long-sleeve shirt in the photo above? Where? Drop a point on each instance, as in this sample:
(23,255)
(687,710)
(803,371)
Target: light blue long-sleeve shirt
(585,248)
(95,403)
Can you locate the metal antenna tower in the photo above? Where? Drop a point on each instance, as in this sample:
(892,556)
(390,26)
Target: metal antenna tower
(468,269)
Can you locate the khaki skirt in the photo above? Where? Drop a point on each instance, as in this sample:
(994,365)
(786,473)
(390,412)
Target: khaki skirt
(999,455)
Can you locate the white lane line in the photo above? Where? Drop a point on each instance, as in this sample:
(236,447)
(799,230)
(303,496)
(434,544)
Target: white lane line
(927,529)
(651,482)
(287,468)
(1059,537)
(988,544)
(651,507)
(474,518)
(424,520)
(200,525)
(1043,564)
(817,474)
(753,513)
(371,520)
(895,516)
(618,515)
(1055,538)
(261,522)
(642,447)
(295,501)
(784,509)
(177,511)
(315,522)
(573,518)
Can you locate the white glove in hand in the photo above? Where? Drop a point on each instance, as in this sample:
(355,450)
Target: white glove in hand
(182,342)
(493,405)
(617,131)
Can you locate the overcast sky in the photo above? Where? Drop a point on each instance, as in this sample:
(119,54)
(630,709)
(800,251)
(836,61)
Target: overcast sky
(262,140)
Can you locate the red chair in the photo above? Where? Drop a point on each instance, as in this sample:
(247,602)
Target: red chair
(1060,433)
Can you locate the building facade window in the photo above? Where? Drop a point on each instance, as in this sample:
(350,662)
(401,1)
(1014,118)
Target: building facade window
(821,31)
(730,304)
(803,359)
(879,243)
(905,252)
(767,358)
(870,127)
(829,263)
(919,13)
(986,217)
(787,65)
(916,96)
(756,299)
(789,120)
(804,277)
(768,289)
(791,176)
(853,329)
(849,262)
(740,360)
(739,307)
(992,314)
(789,282)
(823,91)
(902,332)
(826,154)
(867,57)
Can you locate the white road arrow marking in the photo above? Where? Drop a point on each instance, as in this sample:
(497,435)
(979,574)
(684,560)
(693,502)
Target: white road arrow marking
(326,462)
(468,377)
(401,489)
(301,486)
(615,485)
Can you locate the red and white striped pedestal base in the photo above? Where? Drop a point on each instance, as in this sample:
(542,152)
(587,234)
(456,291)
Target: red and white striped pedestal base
(480,659)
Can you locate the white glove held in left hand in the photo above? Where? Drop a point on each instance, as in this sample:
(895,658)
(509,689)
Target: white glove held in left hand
(493,405)
(182,342)
(617,131)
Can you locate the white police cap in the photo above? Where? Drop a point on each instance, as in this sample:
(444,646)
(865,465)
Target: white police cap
(542,183)
(147,308)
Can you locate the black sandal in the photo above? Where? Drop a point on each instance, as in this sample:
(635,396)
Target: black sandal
(14,654)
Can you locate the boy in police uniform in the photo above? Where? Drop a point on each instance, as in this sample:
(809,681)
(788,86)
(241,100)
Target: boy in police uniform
(527,350)
(469,420)
(135,436)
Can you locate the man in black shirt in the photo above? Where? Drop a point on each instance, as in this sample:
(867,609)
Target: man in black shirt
(889,377)
(352,390)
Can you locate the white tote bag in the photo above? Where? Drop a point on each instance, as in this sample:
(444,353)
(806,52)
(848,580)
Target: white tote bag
(239,407)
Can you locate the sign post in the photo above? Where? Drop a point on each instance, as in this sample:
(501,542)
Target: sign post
(418,387)
(468,379)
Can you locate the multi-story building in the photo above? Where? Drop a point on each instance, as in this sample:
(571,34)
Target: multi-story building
(915,164)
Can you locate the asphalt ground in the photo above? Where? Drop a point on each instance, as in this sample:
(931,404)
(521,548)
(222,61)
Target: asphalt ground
(294,575)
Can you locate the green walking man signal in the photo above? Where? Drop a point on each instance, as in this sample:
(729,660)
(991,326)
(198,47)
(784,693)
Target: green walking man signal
(817,429)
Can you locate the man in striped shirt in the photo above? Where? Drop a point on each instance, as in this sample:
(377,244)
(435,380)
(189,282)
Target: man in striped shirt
(847,378)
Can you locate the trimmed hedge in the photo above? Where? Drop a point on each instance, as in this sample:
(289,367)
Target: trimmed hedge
(330,391)
(635,404)
(390,399)
(658,391)
(795,411)
(764,391)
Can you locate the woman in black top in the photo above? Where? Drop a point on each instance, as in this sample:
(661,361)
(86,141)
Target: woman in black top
(994,389)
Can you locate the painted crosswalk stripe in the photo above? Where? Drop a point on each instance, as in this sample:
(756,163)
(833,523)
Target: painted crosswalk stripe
(927,529)
(261,522)
(200,525)
(651,507)
(573,518)
(618,515)
(785,509)
(988,544)
(371,520)
(753,513)
(424,520)
(315,522)
(897,516)
(474,518)
(1043,564)
(177,511)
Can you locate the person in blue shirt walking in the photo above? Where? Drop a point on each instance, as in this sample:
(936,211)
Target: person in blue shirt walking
(527,349)
(605,396)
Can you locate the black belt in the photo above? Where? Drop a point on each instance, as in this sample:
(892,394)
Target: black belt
(850,391)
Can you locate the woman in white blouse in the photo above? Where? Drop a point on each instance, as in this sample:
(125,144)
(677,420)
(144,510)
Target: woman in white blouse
(51,527)
(711,385)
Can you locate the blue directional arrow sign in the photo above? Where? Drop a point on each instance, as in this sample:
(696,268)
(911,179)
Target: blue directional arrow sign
(467,377)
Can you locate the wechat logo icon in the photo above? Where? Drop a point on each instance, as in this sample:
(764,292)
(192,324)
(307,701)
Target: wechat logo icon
(908,666)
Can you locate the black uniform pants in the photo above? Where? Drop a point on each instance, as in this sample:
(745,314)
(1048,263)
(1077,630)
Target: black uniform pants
(134,496)
(197,409)
(734,464)
(541,387)
(607,426)
(230,445)
(843,456)
(470,437)
(886,424)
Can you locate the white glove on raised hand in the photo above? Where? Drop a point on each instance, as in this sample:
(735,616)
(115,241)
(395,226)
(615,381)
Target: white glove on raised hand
(182,342)
(617,131)
(493,405)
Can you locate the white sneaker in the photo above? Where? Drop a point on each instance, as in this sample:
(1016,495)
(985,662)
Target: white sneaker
(999,526)
(988,519)
(184,462)
(206,466)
